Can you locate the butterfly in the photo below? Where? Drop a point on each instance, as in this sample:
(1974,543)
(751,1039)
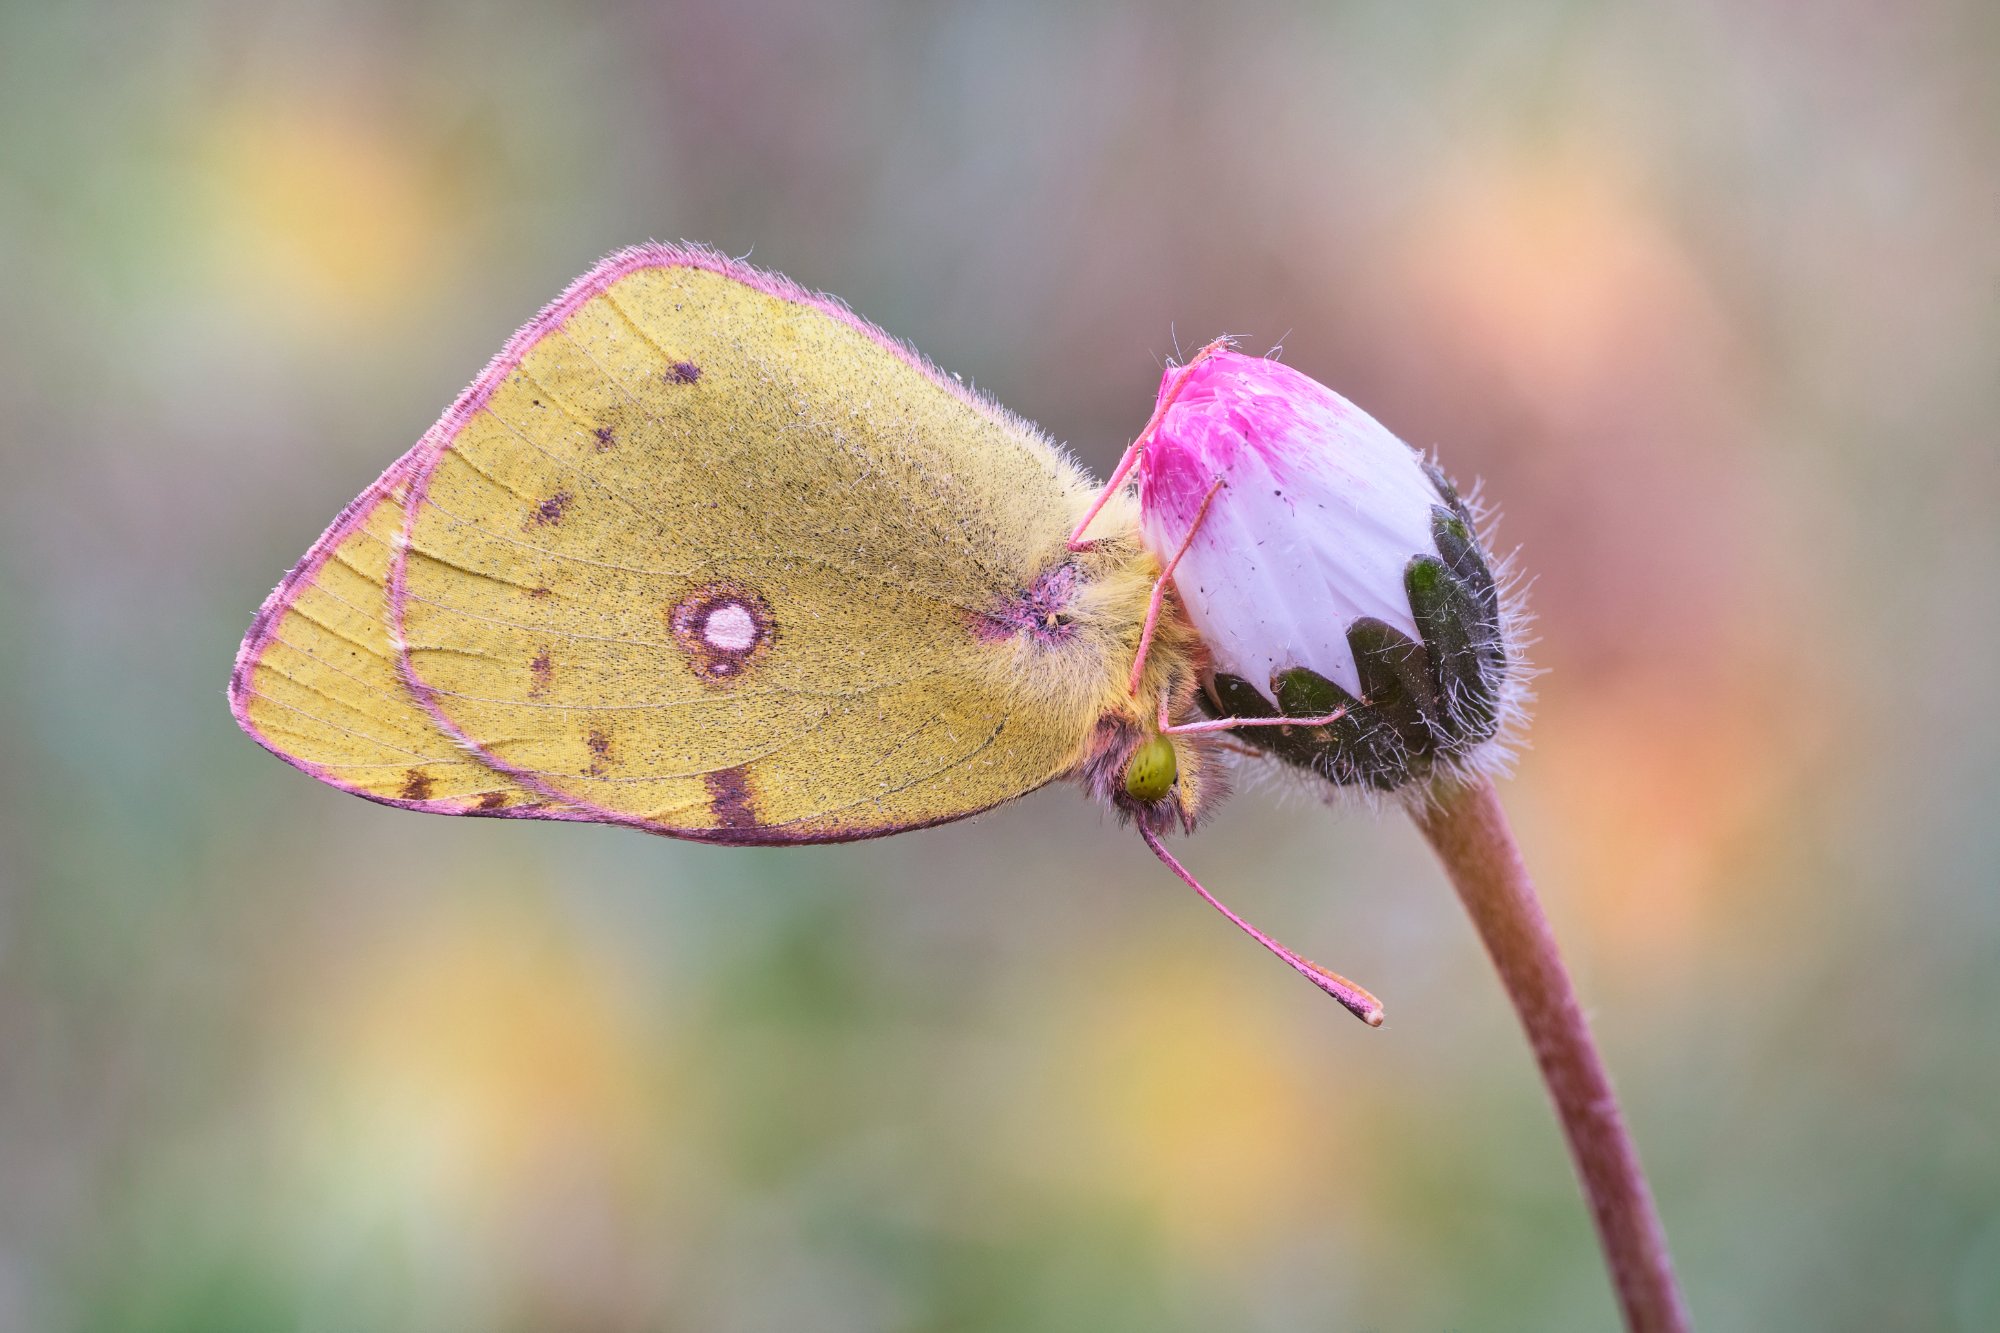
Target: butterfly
(705,554)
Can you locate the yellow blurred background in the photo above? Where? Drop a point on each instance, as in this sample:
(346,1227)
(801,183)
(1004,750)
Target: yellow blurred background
(1705,293)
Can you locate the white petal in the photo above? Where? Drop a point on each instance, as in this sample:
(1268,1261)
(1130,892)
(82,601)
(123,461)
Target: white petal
(1308,535)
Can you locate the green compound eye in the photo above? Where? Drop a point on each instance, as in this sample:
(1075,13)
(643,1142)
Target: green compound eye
(1150,774)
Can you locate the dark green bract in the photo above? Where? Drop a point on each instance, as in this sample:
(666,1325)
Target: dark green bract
(1423,703)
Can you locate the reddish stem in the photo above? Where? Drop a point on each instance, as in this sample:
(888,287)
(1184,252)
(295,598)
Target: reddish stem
(1469,831)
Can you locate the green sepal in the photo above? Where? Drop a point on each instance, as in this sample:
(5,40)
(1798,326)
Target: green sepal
(1468,693)
(1459,546)
(1330,751)
(1446,489)
(1362,748)
(1423,700)
(1396,681)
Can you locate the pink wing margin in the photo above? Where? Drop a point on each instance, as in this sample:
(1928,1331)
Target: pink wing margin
(264,628)
(414,468)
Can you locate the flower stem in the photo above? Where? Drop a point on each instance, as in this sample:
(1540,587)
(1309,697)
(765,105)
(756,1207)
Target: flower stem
(1469,831)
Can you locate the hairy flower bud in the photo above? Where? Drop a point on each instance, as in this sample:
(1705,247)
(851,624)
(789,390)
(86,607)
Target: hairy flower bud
(1328,566)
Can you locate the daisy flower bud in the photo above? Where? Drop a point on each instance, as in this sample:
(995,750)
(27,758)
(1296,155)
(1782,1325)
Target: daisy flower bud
(1331,569)
(1355,629)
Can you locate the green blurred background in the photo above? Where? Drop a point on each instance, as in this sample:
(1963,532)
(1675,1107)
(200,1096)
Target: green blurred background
(1705,292)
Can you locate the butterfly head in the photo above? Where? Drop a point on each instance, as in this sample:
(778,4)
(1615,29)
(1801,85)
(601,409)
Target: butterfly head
(1132,762)
(1152,778)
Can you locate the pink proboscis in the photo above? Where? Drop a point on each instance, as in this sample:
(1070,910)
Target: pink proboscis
(1353,998)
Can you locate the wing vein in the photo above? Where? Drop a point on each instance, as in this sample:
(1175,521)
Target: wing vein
(349,731)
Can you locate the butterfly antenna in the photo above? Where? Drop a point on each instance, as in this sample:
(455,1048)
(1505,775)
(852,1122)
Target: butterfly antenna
(1352,997)
(1138,445)
(1160,586)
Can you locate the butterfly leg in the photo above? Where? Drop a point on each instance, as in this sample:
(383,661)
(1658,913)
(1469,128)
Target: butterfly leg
(1231,723)
(1160,591)
(1138,445)
(1353,998)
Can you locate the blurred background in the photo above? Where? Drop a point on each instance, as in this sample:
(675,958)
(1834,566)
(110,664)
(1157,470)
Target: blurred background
(1705,292)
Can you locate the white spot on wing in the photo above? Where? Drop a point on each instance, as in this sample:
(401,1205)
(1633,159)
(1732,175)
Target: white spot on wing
(730,627)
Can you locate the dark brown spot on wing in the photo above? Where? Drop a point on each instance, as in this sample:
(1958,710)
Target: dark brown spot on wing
(599,741)
(551,510)
(493,800)
(683,372)
(729,798)
(605,438)
(416,785)
(540,672)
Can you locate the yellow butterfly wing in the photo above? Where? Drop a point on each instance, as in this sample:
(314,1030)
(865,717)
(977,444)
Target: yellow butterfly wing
(316,680)
(706,554)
